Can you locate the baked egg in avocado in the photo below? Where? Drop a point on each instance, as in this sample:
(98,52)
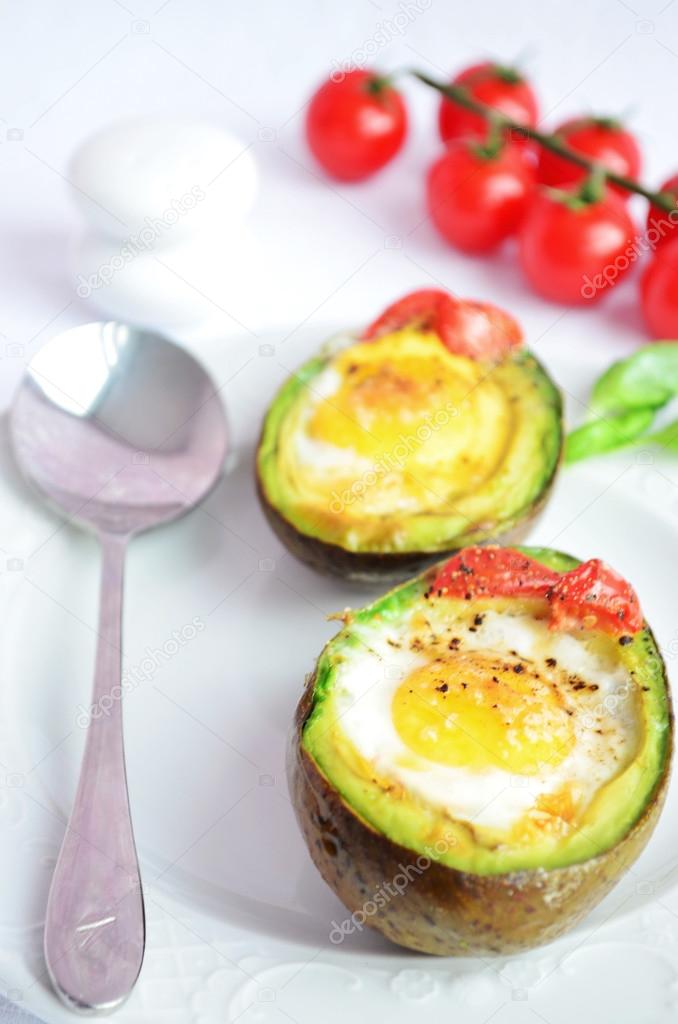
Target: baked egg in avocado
(496,731)
(433,430)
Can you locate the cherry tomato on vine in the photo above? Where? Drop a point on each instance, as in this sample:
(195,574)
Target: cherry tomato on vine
(659,292)
(661,224)
(600,138)
(355,124)
(502,88)
(477,199)
(573,248)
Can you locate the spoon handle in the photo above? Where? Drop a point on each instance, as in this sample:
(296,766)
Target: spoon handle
(95,931)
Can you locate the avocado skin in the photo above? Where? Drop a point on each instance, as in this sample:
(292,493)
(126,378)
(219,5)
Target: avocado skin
(444,911)
(374,567)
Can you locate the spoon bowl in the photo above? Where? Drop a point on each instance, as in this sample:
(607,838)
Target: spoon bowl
(121,430)
(118,427)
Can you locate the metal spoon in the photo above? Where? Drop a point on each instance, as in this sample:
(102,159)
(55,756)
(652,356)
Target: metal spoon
(121,430)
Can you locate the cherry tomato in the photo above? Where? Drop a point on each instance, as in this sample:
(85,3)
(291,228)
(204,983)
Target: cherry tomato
(476,201)
(480,330)
(355,125)
(572,250)
(493,572)
(659,292)
(590,596)
(594,596)
(661,224)
(477,330)
(499,87)
(416,309)
(599,138)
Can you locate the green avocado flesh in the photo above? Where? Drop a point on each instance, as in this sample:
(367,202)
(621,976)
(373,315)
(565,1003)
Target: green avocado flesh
(602,749)
(418,450)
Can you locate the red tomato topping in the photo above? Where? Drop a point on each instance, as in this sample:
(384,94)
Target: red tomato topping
(493,572)
(596,597)
(591,596)
(418,309)
(478,330)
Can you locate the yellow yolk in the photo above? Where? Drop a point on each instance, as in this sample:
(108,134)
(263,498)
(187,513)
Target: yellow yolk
(408,403)
(480,711)
(384,391)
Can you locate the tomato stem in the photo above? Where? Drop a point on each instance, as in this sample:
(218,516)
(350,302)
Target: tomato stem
(377,83)
(592,188)
(493,144)
(460,95)
(508,74)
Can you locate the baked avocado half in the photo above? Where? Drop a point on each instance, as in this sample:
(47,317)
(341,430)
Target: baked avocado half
(481,753)
(430,431)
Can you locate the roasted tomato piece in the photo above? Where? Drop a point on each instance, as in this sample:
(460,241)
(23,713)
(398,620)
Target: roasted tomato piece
(594,596)
(477,330)
(417,309)
(493,572)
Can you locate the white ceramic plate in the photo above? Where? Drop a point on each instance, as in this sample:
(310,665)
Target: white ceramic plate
(221,626)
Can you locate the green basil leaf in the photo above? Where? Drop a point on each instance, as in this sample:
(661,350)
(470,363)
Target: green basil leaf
(648,378)
(608,433)
(666,438)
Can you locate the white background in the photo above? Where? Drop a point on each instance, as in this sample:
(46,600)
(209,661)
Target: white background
(320,250)
(318,253)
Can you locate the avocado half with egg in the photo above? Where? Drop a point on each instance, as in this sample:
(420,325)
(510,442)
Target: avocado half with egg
(475,764)
(434,429)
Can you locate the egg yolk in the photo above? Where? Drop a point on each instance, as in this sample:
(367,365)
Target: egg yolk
(410,402)
(482,712)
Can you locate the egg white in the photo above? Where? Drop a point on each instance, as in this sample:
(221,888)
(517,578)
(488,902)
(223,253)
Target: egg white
(490,798)
(344,471)
(322,457)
